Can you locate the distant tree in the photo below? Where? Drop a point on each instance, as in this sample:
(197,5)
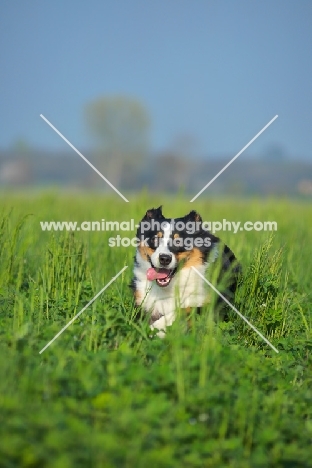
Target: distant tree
(120,126)
(185,145)
(21,146)
(275,153)
(170,173)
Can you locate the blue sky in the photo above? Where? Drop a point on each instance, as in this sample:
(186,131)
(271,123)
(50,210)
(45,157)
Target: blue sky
(216,71)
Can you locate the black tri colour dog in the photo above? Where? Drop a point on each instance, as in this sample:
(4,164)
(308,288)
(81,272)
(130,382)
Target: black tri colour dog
(164,279)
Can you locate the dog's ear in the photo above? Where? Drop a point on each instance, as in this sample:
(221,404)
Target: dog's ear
(193,216)
(154,213)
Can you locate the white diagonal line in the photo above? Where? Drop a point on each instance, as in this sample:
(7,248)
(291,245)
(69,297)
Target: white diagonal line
(235,157)
(237,311)
(84,158)
(82,310)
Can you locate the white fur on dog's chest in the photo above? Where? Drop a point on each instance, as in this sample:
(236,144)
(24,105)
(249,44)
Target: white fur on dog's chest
(186,289)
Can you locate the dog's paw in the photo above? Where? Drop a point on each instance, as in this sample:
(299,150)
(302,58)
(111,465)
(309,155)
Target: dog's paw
(162,323)
(161,334)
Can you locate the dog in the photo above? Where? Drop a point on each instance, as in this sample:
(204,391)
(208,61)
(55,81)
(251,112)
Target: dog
(163,277)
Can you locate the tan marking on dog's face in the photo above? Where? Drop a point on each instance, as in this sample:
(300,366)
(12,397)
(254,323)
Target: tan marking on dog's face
(176,236)
(159,234)
(193,257)
(145,251)
(182,256)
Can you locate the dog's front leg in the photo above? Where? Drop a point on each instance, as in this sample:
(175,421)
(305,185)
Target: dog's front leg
(161,323)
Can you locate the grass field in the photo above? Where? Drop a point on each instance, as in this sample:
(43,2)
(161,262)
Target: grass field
(106,394)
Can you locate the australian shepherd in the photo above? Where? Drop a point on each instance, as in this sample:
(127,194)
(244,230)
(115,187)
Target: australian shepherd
(164,279)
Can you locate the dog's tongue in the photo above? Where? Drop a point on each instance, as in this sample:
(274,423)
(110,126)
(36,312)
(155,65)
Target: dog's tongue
(152,274)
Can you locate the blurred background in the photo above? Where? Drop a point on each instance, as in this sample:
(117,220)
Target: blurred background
(157,94)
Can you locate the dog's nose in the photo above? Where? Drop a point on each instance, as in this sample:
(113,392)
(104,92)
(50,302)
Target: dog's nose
(164,259)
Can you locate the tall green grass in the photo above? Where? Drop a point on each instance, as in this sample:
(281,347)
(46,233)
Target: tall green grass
(106,393)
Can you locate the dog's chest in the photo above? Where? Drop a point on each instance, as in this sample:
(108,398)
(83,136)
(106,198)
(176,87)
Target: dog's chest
(187,289)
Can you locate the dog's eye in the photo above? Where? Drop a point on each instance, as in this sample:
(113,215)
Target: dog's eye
(154,242)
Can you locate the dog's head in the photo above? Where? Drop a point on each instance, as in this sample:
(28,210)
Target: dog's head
(168,244)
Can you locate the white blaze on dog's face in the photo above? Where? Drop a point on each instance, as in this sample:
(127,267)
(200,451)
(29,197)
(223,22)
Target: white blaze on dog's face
(162,257)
